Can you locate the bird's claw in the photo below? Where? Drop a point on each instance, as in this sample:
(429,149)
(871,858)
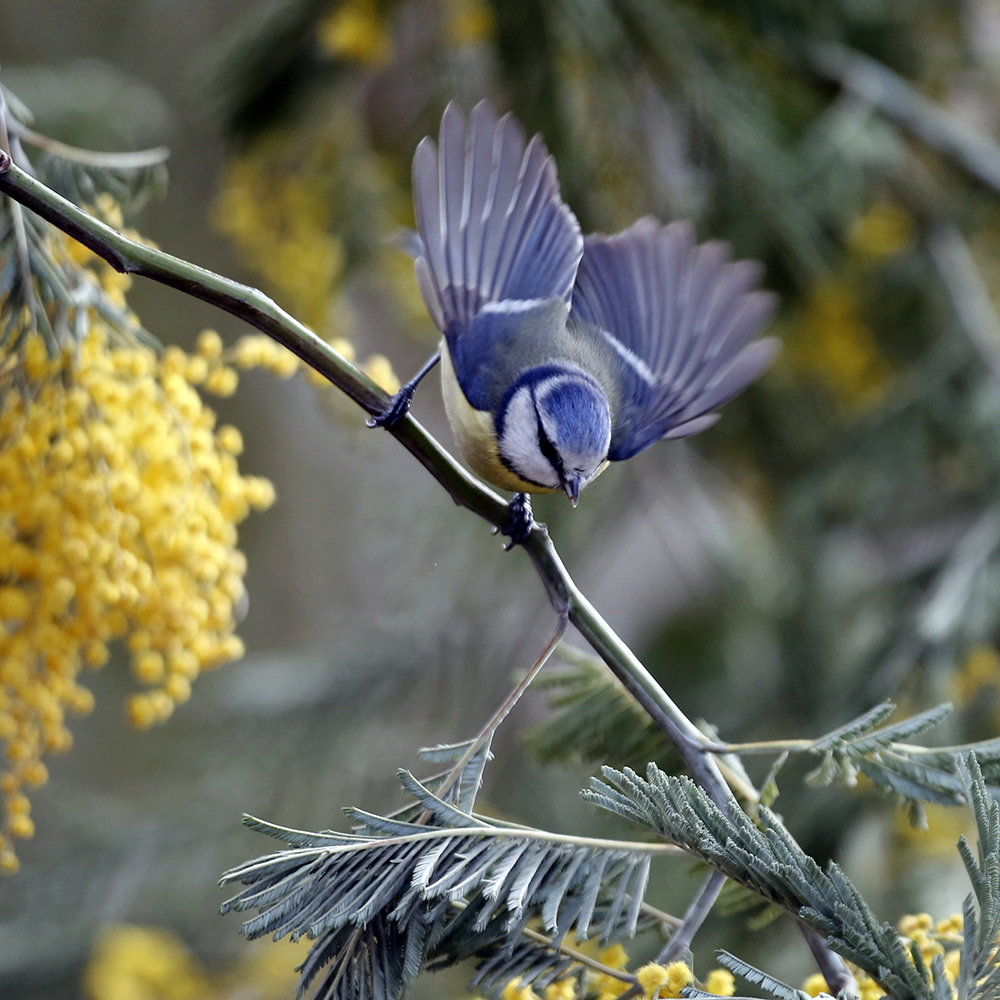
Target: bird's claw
(397,408)
(521,521)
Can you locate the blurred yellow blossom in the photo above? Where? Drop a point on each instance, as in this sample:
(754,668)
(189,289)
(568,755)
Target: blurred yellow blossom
(834,346)
(720,982)
(868,989)
(279,219)
(934,939)
(515,991)
(151,963)
(564,989)
(938,838)
(882,231)
(467,22)
(919,928)
(979,671)
(656,981)
(379,369)
(143,962)
(355,30)
(815,985)
(614,956)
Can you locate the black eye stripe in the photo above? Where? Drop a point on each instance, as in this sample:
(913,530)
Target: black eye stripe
(546,447)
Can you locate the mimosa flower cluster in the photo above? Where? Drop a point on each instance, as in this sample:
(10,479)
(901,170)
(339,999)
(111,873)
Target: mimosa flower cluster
(119,504)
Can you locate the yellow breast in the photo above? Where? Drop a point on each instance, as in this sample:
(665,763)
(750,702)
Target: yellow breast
(475,434)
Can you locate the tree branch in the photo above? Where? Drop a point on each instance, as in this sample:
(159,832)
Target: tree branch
(258,310)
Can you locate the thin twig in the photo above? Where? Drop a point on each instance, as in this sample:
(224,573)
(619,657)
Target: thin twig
(486,733)
(89,157)
(698,909)
(579,957)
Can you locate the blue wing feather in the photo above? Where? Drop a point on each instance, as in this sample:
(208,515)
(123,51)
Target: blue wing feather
(492,223)
(680,316)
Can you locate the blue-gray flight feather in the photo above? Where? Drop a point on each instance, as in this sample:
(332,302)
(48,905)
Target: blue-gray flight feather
(492,223)
(679,316)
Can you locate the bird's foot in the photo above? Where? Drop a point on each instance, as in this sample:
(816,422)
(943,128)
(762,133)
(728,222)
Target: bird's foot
(396,409)
(521,521)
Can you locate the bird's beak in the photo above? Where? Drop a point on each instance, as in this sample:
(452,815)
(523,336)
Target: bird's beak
(571,484)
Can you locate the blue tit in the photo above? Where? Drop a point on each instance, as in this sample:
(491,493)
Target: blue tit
(561,353)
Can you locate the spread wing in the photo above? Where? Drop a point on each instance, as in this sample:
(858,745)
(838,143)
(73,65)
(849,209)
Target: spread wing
(680,317)
(493,226)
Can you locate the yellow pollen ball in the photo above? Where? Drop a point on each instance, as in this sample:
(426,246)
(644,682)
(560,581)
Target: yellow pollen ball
(14,604)
(20,826)
(230,439)
(196,370)
(148,667)
(35,774)
(815,985)
(18,804)
(720,982)
(222,381)
(565,989)
(652,978)
(177,688)
(379,369)
(209,344)
(678,976)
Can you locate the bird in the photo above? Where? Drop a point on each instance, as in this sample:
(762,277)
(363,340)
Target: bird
(561,353)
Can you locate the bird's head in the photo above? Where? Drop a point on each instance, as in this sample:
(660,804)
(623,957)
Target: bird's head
(554,428)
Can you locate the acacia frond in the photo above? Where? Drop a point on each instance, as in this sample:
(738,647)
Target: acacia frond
(463,791)
(82,175)
(131,180)
(751,974)
(878,752)
(396,896)
(766,859)
(596,719)
(979,975)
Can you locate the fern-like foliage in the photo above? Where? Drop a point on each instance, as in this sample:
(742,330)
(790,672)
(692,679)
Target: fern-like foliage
(596,719)
(777,989)
(397,895)
(460,789)
(767,860)
(82,175)
(884,755)
(979,971)
(54,290)
(132,179)
(979,974)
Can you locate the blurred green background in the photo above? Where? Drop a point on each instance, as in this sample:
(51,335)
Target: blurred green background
(831,543)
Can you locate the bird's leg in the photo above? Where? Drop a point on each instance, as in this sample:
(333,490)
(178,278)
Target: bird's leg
(521,520)
(399,405)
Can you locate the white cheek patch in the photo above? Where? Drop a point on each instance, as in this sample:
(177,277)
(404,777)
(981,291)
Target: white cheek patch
(519,442)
